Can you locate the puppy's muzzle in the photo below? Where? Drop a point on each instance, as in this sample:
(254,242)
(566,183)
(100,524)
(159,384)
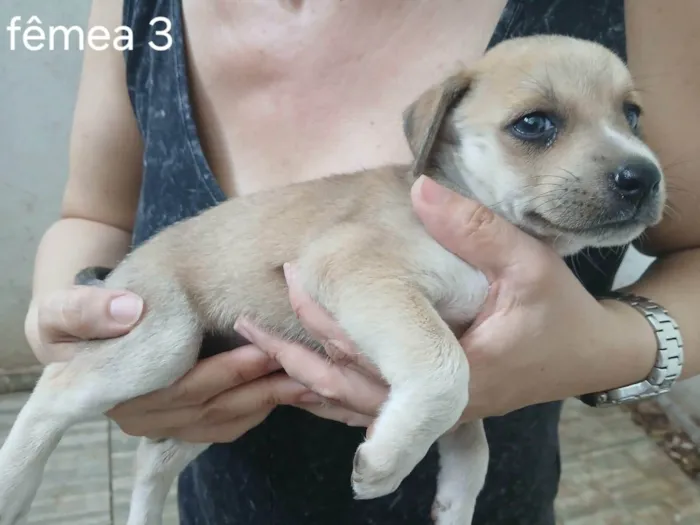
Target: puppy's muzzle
(636,182)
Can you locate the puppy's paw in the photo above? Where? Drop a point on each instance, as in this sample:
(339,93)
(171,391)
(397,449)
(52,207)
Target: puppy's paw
(375,473)
(450,512)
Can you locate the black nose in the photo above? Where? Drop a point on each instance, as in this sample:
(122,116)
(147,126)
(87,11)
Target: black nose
(636,179)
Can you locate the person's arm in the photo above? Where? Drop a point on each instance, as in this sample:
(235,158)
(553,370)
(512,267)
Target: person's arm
(98,207)
(664,57)
(99,203)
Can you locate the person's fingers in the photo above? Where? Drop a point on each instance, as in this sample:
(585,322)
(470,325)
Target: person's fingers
(206,380)
(472,231)
(87,312)
(317,321)
(343,386)
(251,397)
(156,424)
(354,361)
(261,394)
(218,433)
(337,413)
(323,328)
(45,353)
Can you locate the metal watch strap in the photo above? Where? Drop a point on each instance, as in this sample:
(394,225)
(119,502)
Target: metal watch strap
(669,360)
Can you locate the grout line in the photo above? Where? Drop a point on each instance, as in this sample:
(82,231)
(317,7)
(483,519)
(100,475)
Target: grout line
(110,482)
(681,418)
(19,380)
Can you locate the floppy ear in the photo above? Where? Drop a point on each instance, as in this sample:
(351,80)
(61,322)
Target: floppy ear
(423,119)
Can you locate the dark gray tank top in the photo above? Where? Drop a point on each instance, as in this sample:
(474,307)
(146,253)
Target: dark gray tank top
(294,469)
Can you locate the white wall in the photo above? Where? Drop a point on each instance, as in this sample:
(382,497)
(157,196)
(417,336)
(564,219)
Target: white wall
(37,95)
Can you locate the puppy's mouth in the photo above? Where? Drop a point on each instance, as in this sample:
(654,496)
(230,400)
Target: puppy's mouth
(545,226)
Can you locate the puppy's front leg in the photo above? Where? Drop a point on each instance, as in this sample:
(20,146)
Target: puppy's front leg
(397,327)
(464,460)
(429,376)
(158,463)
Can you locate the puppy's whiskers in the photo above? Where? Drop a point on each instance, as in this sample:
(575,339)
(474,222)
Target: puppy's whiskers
(672,212)
(586,253)
(546,203)
(570,173)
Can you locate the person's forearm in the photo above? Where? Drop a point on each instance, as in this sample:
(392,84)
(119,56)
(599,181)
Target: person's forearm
(70,245)
(662,42)
(672,281)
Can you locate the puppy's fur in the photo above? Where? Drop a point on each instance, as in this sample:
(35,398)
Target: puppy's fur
(364,256)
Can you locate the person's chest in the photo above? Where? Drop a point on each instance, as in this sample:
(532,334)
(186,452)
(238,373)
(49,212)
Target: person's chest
(289,90)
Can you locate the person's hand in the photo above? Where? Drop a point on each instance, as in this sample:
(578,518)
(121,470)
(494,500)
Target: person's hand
(344,388)
(220,399)
(78,313)
(540,337)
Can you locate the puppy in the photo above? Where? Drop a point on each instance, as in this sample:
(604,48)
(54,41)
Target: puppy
(543,130)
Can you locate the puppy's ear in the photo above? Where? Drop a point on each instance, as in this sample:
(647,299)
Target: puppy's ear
(423,119)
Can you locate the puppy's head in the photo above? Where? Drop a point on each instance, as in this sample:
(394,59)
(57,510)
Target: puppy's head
(545,131)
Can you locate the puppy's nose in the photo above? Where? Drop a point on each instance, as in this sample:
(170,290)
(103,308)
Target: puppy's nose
(636,179)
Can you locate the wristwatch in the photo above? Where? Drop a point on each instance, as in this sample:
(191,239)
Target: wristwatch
(669,360)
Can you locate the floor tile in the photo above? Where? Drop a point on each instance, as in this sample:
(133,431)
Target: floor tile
(75,488)
(612,474)
(624,479)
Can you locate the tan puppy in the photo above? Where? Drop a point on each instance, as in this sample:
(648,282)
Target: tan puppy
(543,130)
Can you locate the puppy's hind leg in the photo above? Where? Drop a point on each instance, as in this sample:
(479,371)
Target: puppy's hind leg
(50,410)
(101,375)
(464,459)
(158,463)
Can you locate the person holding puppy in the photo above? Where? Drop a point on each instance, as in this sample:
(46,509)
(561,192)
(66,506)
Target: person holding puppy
(253,95)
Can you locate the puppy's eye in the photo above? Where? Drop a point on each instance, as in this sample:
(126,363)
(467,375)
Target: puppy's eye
(632,114)
(537,126)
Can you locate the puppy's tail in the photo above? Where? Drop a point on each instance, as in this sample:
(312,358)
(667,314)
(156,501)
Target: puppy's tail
(92,276)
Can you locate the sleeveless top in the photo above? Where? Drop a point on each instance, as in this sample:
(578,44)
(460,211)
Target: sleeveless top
(294,468)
